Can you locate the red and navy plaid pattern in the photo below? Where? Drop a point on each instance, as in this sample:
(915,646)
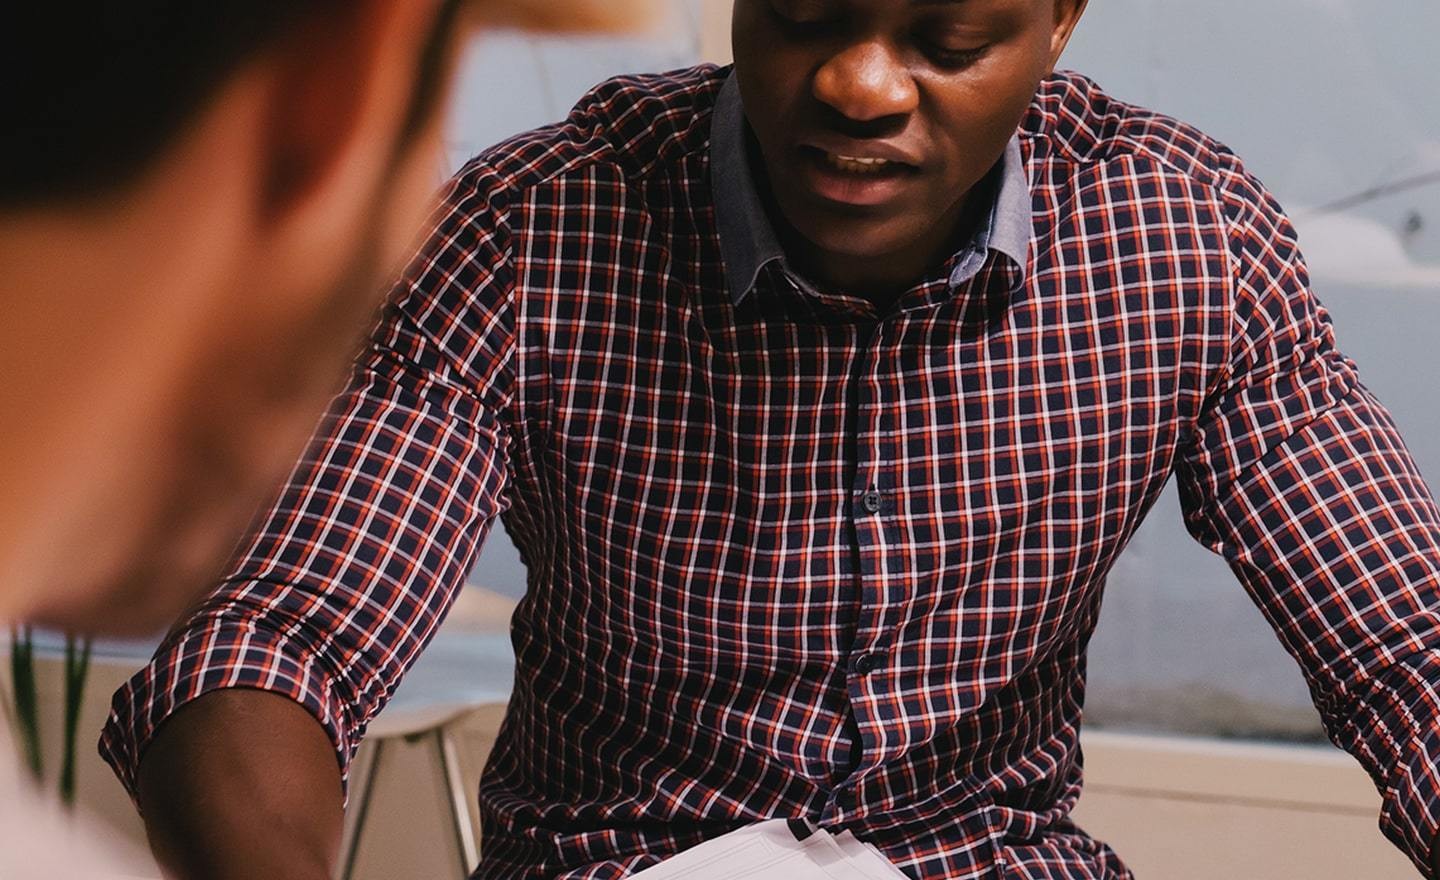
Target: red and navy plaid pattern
(796,557)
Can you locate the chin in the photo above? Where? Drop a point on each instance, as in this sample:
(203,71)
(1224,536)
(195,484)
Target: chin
(149,544)
(146,583)
(859,239)
(856,232)
(138,603)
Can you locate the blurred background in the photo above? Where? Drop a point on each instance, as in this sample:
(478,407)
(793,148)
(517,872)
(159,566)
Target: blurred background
(1201,727)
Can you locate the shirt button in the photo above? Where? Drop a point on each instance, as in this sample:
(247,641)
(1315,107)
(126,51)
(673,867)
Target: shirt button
(866,664)
(871,501)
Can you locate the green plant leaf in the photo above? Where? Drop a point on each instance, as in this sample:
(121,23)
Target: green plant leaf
(27,713)
(77,669)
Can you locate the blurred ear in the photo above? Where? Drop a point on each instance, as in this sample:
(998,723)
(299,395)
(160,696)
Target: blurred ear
(1067,15)
(340,87)
(568,15)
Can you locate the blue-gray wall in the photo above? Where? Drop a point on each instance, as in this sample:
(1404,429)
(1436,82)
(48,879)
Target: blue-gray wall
(1322,98)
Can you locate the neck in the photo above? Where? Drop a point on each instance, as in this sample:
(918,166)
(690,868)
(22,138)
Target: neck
(90,337)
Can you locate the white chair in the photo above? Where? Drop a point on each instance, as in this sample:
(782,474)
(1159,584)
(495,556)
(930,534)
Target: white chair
(456,675)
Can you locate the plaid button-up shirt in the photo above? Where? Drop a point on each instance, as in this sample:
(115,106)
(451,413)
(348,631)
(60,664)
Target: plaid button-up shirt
(791,554)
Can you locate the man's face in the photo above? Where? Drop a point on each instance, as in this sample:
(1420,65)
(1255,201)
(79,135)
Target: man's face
(876,117)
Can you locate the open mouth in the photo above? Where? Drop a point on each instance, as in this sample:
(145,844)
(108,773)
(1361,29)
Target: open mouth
(866,165)
(856,164)
(857,180)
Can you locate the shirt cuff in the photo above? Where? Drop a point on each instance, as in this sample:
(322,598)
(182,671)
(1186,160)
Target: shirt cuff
(210,656)
(1410,729)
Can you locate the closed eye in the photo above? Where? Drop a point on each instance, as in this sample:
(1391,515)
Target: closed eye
(954,59)
(801,20)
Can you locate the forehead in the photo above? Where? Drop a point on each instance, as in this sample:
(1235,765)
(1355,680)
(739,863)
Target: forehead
(917,5)
(978,11)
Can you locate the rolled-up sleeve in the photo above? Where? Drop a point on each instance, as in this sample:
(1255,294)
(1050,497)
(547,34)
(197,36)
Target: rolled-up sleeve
(1297,475)
(347,576)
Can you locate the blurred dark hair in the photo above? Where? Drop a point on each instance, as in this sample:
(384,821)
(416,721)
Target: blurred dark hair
(91,93)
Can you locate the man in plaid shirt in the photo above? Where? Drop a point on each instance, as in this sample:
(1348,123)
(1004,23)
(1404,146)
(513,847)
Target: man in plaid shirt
(818,396)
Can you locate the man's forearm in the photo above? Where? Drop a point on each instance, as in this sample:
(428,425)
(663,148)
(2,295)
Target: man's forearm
(242,784)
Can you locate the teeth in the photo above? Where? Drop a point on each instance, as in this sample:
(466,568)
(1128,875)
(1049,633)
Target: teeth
(856,164)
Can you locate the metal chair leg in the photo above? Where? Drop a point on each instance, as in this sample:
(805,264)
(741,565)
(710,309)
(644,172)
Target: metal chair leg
(362,787)
(467,846)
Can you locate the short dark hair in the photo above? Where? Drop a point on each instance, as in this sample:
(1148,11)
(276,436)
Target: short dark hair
(94,92)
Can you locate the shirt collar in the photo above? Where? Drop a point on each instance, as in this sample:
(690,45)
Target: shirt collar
(748,241)
(1010,226)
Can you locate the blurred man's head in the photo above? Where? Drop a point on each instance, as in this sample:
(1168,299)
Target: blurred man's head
(875,118)
(199,202)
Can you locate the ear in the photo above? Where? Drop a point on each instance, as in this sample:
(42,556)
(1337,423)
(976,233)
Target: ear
(340,86)
(341,76)
(567,15)
(1067,15)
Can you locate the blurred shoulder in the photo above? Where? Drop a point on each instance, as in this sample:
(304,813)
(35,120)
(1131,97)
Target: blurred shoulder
(627,127)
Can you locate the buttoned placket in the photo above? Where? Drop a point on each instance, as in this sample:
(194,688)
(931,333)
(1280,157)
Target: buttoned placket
(879,586)
(872,506)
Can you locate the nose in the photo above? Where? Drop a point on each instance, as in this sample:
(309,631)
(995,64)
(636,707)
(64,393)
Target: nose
(865,82)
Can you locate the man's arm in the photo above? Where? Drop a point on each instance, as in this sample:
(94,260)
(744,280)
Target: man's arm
(242,784)
(236,738)
(1298,476)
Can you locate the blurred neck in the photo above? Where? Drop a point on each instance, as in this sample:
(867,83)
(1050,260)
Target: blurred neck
(102,303)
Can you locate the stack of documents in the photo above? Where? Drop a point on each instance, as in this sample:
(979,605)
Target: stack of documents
(777,849)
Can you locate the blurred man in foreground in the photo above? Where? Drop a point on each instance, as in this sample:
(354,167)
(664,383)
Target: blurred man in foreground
(196,202)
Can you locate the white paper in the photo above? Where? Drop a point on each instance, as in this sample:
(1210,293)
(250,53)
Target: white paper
(769,851)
